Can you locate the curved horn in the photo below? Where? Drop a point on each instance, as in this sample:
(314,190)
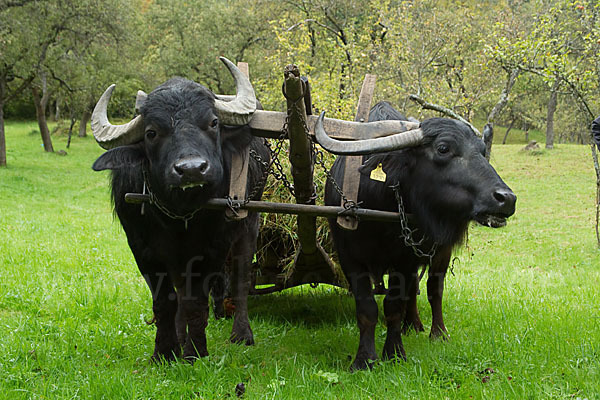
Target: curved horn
(367,146)
(140,99)
(239,110)
(108,135)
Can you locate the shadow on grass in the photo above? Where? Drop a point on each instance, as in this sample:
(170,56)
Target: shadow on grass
(304,307)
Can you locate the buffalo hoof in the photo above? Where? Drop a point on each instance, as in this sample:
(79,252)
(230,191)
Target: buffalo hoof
(164,358)
(242,338)
(412,325)
(439,333)
(166,349)
(219,312)
(393,353)
(192,356)
(241,333)
(361,364)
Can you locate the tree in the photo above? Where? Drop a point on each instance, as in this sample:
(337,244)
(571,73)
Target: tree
(184,43)
(34,35)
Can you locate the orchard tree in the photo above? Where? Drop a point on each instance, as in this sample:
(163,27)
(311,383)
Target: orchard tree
(34,36)
(179,42)
(330,41)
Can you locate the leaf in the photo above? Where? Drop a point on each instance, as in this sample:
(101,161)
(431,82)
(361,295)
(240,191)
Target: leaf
(330,377)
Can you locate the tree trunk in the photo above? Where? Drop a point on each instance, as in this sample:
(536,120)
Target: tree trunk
(550,118)
(57,109)
(510,82)
(40,111)
(2,138)
(85,118)
(71,130)
(508,130)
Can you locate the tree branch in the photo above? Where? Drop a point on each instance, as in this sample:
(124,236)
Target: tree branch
(510,82)
(14,3)
(436,107)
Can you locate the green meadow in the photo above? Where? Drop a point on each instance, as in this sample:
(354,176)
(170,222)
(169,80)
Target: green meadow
(522,303)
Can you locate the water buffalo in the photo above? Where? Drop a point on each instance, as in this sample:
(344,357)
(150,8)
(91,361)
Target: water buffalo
(438,173)
(179,150)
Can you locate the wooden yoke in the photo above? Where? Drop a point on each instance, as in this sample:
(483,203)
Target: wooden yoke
(351,175)
(238,176)
(312,264)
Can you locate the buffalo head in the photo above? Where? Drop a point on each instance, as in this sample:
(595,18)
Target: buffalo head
(178,138)
(443,175)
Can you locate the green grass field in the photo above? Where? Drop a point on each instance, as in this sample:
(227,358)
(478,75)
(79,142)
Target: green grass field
(522,306)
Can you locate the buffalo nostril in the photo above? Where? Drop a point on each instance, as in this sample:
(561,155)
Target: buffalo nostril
(500,196)
(202,167)
(506,201)
(179,169)
(191,168)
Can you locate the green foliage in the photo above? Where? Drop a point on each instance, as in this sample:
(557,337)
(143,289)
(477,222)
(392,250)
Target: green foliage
(456,54)
(521,304)
(182,42)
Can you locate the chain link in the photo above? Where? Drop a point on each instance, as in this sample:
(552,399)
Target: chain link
(319,159)
(154,201)
(268,166)
(280,175)
(407,233)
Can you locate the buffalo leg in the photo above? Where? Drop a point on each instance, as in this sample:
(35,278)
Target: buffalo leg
(242,251)
(366,317)
(400,286)
(164,306)
(412,319)
(218,295)
(435,292)
(194,304)
(180,323)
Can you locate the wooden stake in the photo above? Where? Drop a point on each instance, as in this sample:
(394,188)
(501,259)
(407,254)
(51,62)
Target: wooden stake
(238,177)
(351,175)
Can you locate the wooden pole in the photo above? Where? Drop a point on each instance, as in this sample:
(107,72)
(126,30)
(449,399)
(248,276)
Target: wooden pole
(238,176)
(301,158)
(311,263)
(285,208)
(351,175)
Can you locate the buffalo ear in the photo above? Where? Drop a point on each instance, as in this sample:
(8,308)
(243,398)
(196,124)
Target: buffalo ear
(235,137)
(120,157)
(229,133)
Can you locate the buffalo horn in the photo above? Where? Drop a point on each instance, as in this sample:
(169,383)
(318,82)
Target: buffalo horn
(140,99)
(393,142)
(108,135)
(239,110)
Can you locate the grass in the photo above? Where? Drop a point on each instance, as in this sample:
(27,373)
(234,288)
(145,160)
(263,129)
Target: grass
(522,305)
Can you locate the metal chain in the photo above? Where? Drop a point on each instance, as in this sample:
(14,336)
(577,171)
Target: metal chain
(407,233)
(154,201)
(319,159)
(267,168)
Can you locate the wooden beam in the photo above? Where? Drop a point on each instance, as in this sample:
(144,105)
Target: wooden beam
(300,156)
(268,124)
(311,263)
(351,181)
(238,176)
(286,208)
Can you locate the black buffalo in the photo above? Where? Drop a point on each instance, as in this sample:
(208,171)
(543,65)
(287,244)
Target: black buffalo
(440,175)
(179,150)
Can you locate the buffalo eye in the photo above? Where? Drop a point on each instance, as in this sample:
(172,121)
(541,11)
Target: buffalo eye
(214,123)
(443,149)
(150,134)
